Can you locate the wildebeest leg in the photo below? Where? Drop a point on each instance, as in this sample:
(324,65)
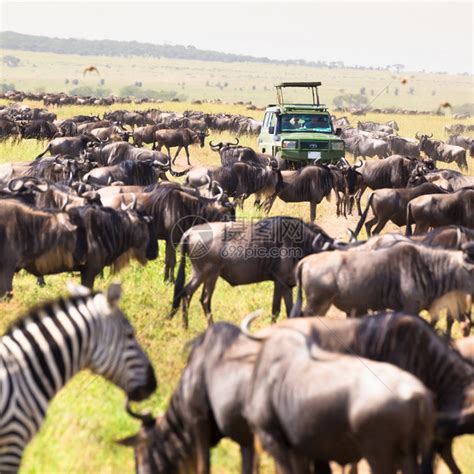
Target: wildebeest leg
(249,460)
(201,435)
(288,298)
(312,210)
(177,153)
(421,229)
(267,205)
(170,261)
(381,461)
(6,280)
(40,281)
(87,277)
(207,291)
(378,227)
(188,292)
(446,453)
(277,295)
(315,309)
(358,198)
(187,154)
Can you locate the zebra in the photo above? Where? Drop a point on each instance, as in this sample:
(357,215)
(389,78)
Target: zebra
(41,351)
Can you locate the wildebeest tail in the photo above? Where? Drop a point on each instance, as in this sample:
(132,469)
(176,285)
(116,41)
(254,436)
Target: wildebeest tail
(44,152)
(181,277)
(408,232)
(363,217)
(296,310)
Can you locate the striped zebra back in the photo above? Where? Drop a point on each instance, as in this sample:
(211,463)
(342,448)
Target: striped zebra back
(42,350)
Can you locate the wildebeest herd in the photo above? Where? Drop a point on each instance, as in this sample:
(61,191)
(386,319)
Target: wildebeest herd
(383,384)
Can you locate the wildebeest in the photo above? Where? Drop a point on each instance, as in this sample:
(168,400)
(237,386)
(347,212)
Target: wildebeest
(403,146)
(105,237)
(239,180)
(455,179)
(130,172)
(308,406)
(8,128)
(389,278)
(243,253)
(439,151)
(180,138)
(174,210)
(391,205)
(393,172)
(29,235)
(231,153)
(465,142)
(145,134)
(113,133)
(87,127)
(210,397)
(370,147)
(39,129)
(68,145)
(309,184)
(441,210)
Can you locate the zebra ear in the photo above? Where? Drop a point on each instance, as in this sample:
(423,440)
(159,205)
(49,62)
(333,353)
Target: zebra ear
(114,293)
(77,290)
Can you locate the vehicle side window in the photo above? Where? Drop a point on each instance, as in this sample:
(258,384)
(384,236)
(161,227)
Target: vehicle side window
(273,120)
(266,120)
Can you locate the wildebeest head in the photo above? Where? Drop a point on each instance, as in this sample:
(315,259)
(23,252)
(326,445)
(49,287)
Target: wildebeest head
(202,137)
(352,176)
(426,144)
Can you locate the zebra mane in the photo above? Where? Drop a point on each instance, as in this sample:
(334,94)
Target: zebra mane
(44,307)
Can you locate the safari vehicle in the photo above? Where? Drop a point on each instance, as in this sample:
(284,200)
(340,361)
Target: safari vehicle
(300,134)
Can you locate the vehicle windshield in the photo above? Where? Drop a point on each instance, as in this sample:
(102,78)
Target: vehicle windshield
(306,123)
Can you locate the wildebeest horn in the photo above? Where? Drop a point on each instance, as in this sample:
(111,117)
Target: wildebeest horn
(430,136)
(417,136)
(65,203)
(146,418)
(221,193)
(236,143)
(16,185)
(158,163)
(247,321)
(215,147)
(131,206)
(358,166)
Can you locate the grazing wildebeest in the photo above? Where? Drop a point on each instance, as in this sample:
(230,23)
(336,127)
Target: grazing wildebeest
(180,138)
(8,128)
(441,210)
(243,253)
(309,184)
(391,205)
(128,172)
(68,145)
(309,406)
(27,235)
(439,151)
(401,277)
(370,147)
(59,339)
(39,129)
(106,237)
(403,146)
(409,343)
(393,172)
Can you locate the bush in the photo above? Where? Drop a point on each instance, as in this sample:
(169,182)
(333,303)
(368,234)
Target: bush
(140,93)
(4,87)
(350,100)
(11,61)
(90,91)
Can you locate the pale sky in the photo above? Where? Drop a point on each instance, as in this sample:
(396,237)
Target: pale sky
(434,35)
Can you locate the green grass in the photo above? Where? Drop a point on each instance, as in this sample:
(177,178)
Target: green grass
(245,81)
(87,415)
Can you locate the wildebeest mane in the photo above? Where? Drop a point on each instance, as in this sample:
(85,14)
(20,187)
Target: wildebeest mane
(138,172)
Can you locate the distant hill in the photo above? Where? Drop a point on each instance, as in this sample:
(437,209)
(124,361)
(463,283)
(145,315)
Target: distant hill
(17,41)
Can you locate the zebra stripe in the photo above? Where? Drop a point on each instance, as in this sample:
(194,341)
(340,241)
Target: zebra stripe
(44,349)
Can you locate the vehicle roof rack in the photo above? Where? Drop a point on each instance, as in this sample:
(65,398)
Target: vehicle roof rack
(310,85)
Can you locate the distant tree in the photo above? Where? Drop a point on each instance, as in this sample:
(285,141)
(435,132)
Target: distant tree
(433,92)
(138,83)
(350,101)
(254,87)
(11,61)
(66,81)
(395,91)
(102,82)
(4,87)
(411,91)
(362,91)
(399,67)
(75,82)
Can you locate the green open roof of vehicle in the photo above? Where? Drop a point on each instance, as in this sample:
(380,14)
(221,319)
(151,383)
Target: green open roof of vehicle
(298,84)
(310,85)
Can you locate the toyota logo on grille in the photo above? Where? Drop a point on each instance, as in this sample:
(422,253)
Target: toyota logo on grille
(313,145)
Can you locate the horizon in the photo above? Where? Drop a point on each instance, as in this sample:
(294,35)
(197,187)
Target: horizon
(450,52)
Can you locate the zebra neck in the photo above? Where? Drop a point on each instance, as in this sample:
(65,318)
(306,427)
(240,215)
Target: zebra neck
(51,346)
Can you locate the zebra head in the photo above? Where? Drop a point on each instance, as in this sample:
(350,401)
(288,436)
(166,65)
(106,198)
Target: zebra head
(117,355)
